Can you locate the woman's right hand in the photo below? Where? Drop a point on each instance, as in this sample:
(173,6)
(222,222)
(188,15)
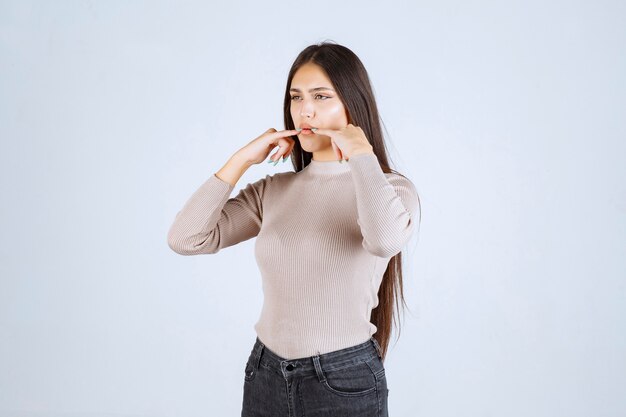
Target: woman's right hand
(256,151)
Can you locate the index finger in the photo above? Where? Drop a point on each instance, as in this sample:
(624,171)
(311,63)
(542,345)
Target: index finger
(286,132)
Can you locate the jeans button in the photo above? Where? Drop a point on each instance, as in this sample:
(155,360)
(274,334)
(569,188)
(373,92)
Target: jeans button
(290,367)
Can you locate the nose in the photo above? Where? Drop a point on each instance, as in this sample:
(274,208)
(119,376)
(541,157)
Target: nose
(306,109)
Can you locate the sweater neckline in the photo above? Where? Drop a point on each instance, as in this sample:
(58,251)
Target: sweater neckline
(327,167)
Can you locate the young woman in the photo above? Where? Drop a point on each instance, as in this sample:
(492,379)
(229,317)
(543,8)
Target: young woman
(329,237)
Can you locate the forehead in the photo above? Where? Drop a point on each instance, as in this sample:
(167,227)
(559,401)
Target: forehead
(309,76)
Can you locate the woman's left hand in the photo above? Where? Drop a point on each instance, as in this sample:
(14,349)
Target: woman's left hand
(347,141)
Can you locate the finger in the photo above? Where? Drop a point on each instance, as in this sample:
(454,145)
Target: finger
(283,148)
(277,138)
(288,150)
(286,146)
(276,154)
(274,135)
(340,157)
(287,132)
(336,150)
(274,157)
(326,132)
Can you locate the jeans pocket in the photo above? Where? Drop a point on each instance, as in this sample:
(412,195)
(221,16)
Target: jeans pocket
(355,380)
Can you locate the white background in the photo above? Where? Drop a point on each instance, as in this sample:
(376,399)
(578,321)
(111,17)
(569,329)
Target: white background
(508,117)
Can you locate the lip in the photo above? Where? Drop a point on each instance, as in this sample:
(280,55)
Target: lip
(306,126)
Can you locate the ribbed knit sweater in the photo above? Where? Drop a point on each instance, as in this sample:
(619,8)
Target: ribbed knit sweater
(324,238)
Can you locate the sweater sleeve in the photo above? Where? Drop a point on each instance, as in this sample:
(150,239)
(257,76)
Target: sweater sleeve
(388,206)
(210,220)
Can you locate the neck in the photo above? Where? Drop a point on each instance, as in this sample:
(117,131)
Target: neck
(333,167)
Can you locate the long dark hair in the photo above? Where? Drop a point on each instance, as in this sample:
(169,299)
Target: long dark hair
(352,84)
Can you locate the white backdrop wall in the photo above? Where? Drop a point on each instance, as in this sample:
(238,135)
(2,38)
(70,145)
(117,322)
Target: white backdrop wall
(508,117)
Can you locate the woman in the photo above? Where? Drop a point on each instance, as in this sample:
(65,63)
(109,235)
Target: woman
(328,243)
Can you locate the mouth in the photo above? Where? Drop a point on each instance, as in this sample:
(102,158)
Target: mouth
(307,130)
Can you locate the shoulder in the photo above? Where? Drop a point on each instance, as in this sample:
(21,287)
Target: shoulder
(277,178)
(282,176)
(269,181)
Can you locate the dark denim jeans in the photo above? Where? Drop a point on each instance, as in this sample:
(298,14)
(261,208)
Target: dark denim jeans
(346,382)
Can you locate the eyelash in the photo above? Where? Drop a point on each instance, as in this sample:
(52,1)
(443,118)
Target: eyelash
(292,97)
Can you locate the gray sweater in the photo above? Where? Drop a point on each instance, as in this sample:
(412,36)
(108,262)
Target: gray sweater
(324,238)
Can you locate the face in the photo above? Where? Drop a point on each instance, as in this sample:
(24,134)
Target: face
(315,102)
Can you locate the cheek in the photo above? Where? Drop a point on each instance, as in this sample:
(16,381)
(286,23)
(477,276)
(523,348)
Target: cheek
(335,113)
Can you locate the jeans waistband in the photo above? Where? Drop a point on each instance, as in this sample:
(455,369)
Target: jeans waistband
(363,352)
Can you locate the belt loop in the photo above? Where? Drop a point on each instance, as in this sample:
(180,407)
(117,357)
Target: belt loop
(259,351)
(377,346)
(318,368)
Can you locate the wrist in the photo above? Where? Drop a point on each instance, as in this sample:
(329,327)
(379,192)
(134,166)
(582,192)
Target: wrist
(239,159)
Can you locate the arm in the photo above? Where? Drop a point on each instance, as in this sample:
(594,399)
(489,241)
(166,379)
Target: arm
(210,220)
(388,206)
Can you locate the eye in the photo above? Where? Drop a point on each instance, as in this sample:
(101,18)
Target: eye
(317,95)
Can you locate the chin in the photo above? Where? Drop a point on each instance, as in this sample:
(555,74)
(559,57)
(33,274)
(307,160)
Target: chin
(311,149)
(314,144)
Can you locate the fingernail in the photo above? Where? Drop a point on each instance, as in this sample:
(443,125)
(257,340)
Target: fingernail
(284,159)
(313,129)
(269,161)
(276,161)
(298,129)
(341,161)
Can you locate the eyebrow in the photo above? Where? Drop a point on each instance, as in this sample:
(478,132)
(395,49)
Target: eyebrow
(312,89)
